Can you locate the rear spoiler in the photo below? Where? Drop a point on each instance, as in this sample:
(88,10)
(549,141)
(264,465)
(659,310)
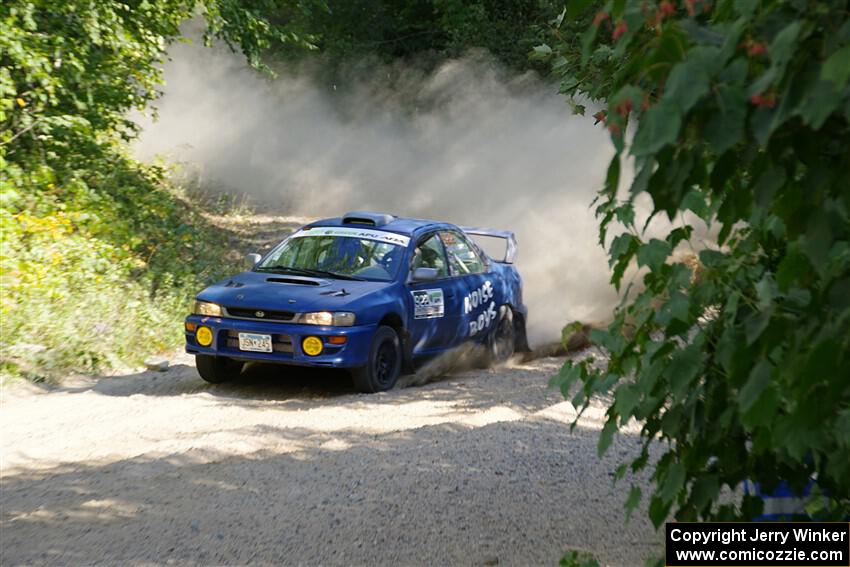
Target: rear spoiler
(508,236)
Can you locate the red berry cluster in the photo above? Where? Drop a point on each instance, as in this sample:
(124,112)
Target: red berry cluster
(621,29)
(767,100)
(754,48)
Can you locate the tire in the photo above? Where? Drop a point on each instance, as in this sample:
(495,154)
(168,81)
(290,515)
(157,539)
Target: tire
(501,342)
(217,369)
(384,366)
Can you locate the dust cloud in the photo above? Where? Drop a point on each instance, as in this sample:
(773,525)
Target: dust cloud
(468,143)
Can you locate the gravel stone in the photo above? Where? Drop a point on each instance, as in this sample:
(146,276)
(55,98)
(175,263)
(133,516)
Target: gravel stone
(157,364)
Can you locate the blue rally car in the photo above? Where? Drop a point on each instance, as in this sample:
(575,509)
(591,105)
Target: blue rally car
(369,292)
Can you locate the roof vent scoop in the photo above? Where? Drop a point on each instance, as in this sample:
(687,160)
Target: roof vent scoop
(367,218)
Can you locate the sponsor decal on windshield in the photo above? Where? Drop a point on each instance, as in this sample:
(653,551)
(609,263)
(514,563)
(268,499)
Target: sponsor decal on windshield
(363,234)
(428,303)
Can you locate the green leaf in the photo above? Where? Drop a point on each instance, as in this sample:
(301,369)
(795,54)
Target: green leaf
(837,68)
(783,45)
(821,100)
(746,7)
(622,250)
(658,127)
(763,411)
(658,511)
(625,400)
(633,501)
(780,50)
(567,376)
(677,307)
(626,215)
(653,254)
(726,128)
(816,243)
(674,481)
(641,180)
(540,52)
(724,171)
(685,365)
(757,382)
(705,490)
(576,7)
(607,435)
(622,246)
(771,179)
(680,234)
(687,83)
(694,201)
(587,39)
(756,323)
(574,558)
(568,85)
(711,258)
(612,179)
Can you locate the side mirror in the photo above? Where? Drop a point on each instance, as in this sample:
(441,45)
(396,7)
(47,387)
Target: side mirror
(251,260)
(424,274)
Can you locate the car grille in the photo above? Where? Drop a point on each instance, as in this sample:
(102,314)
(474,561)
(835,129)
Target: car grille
(280,343)
(267,314)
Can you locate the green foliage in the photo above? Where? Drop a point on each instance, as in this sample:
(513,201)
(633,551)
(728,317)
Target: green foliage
(70,71)
(575,558)
(101,269)
(430,29)
(736,359)
(99,256)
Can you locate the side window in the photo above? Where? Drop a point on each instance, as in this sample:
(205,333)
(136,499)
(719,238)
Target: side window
(463,258)
(430,254)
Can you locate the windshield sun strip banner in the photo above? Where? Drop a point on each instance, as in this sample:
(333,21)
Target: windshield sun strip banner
(364,234)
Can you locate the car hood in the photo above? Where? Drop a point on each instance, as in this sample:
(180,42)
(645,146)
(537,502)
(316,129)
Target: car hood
(269,291)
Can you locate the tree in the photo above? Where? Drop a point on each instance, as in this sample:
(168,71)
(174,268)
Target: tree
(71,71)
(739,363)
(429,31)
(89,234)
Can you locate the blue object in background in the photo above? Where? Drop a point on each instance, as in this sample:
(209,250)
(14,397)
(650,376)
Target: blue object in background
(782,504)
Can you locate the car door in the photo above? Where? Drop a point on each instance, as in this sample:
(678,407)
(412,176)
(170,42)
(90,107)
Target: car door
(434,305)
(481,299)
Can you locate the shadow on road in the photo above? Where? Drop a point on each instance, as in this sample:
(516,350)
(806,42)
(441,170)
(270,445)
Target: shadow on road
(258,381)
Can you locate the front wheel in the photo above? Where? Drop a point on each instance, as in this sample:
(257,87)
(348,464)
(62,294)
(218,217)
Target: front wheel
(384,366)
(217,369)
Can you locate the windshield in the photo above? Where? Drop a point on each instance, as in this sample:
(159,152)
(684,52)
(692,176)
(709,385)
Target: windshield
(344,257)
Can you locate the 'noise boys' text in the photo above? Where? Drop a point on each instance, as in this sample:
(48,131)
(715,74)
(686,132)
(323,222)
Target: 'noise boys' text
(477,298)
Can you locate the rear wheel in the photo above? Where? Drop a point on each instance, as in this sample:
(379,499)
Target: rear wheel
(502,340)
(384,366)
(217,369)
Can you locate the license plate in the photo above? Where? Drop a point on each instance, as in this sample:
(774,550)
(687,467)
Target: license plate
(255,343)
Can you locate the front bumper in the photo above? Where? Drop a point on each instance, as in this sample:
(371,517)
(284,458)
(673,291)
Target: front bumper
(286,340)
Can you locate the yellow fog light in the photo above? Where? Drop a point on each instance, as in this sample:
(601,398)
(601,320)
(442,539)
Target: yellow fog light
(204,336)
(312,346)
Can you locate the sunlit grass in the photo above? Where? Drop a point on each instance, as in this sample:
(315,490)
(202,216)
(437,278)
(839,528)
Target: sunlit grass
(100,273)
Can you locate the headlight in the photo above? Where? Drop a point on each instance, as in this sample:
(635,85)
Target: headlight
(328,319)
(207,308)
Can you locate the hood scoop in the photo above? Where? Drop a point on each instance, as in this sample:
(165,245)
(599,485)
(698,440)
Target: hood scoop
(297,281)
(337,293)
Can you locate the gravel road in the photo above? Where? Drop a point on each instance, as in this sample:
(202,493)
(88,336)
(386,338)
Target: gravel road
(294,467)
